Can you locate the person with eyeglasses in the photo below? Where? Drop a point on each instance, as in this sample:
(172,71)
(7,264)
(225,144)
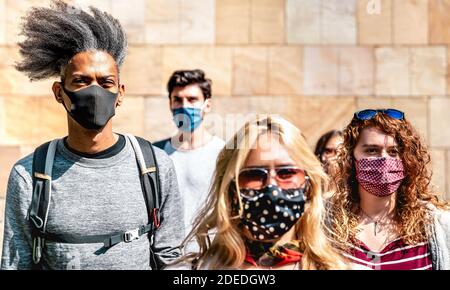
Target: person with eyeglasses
(326,148)
(265,205)
(384,213)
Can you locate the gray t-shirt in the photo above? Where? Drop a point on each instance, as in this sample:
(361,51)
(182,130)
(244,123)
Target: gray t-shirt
(93,197)
(195,169)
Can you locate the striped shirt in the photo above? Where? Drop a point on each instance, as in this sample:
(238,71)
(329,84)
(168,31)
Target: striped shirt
(395,256)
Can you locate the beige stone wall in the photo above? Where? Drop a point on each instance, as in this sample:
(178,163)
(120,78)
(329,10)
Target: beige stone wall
(313,61)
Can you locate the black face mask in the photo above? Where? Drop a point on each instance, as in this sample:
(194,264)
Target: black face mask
(271,211)
(92,107)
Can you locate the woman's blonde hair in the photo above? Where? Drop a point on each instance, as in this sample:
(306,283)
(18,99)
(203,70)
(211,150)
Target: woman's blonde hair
(227,249)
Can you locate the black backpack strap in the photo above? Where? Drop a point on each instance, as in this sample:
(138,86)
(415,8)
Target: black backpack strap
(40,202)
(151,188)
(151,179)
(108,240)
(148,168)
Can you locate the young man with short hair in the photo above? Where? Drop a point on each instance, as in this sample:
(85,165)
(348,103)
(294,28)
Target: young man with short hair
(193,148)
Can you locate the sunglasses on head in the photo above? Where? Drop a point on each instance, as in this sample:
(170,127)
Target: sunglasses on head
(369,114)
(287,177)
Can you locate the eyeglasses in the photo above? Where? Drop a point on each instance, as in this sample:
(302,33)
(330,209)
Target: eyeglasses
(369,114)
(330,152)
(287,177)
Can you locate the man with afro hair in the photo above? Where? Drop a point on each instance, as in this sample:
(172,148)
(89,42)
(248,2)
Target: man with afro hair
(89,208)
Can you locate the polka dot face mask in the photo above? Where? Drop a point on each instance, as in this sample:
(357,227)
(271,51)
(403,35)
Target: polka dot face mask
(271,211)
(380,176)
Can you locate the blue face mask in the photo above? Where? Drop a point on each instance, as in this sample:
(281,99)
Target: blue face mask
(187,119)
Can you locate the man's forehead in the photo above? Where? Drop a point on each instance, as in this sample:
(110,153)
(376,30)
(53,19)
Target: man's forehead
(188,91)
(96,62)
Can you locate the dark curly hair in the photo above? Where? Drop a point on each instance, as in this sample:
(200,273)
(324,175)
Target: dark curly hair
(54,35)
(182,78)
(413,195)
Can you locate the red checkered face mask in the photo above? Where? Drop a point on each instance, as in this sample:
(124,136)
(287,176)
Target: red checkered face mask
(380,176)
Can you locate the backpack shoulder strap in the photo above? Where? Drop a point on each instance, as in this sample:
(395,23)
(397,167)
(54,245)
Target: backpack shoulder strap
(148,169)
(43,158)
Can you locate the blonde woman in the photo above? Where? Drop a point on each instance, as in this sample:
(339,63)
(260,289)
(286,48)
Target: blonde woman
(265,206)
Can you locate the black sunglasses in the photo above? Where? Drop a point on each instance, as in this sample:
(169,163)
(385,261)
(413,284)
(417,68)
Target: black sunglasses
(369,114)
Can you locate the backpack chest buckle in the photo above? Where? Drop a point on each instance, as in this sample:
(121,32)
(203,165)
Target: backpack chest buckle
(131,235)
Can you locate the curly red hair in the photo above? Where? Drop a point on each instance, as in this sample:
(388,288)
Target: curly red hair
(413,195)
